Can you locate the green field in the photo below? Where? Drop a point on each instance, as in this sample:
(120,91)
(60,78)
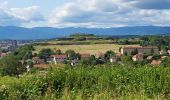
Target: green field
(94,49)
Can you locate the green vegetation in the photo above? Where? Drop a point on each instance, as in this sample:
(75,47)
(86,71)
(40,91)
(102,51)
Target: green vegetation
(10,66)
(81,35)
(90,82)
(92,78)
(24,52)
(109,54)
(163,42)
(45,53)
(14,64)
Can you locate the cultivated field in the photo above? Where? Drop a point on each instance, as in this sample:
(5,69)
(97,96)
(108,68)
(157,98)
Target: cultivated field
(94,49)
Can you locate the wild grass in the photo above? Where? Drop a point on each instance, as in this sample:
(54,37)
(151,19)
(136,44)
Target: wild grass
(105,82)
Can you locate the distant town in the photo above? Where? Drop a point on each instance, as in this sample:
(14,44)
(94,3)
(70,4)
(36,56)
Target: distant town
(127,51)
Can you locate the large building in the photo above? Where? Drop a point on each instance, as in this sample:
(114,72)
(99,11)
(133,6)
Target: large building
(57,58)
(140,49)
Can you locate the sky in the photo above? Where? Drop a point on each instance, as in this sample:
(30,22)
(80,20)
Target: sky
(84,13)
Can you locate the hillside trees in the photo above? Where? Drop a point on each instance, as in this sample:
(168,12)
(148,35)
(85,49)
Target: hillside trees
(10,66)
(45,53)
(24,53)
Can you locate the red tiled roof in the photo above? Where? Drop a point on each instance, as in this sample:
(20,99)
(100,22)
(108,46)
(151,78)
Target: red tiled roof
(59,56)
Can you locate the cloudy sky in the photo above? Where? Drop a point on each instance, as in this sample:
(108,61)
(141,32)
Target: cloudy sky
(84,13)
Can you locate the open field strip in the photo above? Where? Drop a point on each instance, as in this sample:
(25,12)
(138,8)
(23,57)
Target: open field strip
(93,49)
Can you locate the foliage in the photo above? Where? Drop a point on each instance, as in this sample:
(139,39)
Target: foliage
(166,62)
(10,66)
(58,52)
(109,54)
(126,59)
(72,54)
(90,82)
(92,60)
(45,53)
(24,52)
(163,42)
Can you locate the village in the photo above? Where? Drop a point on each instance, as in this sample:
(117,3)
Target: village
(150,54)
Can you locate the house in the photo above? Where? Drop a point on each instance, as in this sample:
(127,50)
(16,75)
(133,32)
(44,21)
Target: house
(156,62)
(57,58)
(138,57)
(140,49)
(84,56)
(37,60)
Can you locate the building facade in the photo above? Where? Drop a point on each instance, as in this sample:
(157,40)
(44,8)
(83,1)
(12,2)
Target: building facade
(140,49)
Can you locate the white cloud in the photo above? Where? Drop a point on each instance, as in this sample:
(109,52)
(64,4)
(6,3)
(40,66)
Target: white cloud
(18,16)
(106,13)
(90,13)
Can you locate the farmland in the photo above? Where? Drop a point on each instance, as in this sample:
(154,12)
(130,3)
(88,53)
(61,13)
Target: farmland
(94,49)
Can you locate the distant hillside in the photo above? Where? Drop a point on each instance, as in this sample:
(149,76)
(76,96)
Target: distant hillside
(11,32)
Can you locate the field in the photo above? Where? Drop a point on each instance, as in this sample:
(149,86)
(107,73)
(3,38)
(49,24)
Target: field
(80,42)
(94,49)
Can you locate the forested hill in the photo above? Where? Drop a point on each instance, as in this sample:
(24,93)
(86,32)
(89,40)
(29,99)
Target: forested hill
(12,32)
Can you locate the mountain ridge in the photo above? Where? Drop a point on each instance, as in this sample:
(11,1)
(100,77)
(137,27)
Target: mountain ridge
(21,33)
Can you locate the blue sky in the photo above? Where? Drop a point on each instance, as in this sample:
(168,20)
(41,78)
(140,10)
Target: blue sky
(84,13)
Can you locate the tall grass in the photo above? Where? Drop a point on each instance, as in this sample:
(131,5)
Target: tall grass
(91,82)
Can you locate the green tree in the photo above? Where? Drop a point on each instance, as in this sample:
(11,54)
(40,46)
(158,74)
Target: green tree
(58,52)
(45,53)
(71,54)
(10,66)
(24,52)
(109,54)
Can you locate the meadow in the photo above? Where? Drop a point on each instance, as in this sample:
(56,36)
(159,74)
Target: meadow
(93,49)
(101,82)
